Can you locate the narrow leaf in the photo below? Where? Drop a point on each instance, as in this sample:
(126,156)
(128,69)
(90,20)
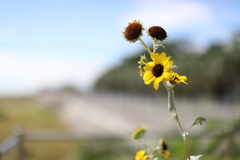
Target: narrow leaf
(198,120)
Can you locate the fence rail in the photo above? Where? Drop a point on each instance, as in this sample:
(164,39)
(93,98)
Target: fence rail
(16,139)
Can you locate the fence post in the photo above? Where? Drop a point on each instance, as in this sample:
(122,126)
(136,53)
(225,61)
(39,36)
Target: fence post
(20,135)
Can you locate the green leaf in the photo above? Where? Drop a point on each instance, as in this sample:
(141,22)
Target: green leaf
(198,120)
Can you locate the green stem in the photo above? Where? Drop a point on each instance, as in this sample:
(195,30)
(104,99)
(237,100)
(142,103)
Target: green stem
(183,134)
(148,149)
(173,112)
(145,46)
(156,46)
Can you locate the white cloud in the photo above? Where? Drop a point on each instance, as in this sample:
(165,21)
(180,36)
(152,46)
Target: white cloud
(26,74)
(198,21)
(170,14)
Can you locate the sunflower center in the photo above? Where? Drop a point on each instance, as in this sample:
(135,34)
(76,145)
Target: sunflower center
(157,70)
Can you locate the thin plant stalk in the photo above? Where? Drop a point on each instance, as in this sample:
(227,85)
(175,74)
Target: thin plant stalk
(174,114)
(183,136)
(148,149)
(145,46)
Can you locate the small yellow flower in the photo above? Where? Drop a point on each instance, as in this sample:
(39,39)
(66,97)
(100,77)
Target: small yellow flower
(178,79)
(158,70)
(140,155)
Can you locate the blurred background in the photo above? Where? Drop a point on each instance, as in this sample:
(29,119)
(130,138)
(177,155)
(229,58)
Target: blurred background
(70,87)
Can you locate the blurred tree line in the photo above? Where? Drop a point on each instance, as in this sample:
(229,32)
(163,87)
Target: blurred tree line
(216,72)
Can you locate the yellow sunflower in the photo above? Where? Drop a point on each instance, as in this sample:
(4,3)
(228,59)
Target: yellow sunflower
(158,70)
(178,79)
(140,155)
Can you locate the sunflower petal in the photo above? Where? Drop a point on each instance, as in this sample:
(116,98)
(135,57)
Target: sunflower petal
(145,157)
(149,66)
(147,74)
(149,80)
(139,155)
(167,76)
(165,60)
(155,57)
(156,82)
(162,55)
(168,65)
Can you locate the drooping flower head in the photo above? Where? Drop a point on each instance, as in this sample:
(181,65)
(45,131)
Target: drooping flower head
(140,155)
(164,149)
(133,31)
(176,78)
(157,33)
(157,70)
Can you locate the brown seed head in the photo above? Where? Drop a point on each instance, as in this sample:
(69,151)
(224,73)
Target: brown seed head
(157,32)
(133,31)
(157,70)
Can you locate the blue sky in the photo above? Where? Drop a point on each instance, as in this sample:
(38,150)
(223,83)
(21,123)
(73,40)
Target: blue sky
(50,43)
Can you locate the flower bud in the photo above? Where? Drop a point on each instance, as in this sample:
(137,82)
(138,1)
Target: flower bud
(141,63)
(138,133)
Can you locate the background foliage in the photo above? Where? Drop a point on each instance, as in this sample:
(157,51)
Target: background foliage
(212,73)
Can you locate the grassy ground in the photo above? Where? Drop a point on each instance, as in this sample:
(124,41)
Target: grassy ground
(30,114)
(213,143)
(113,149)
